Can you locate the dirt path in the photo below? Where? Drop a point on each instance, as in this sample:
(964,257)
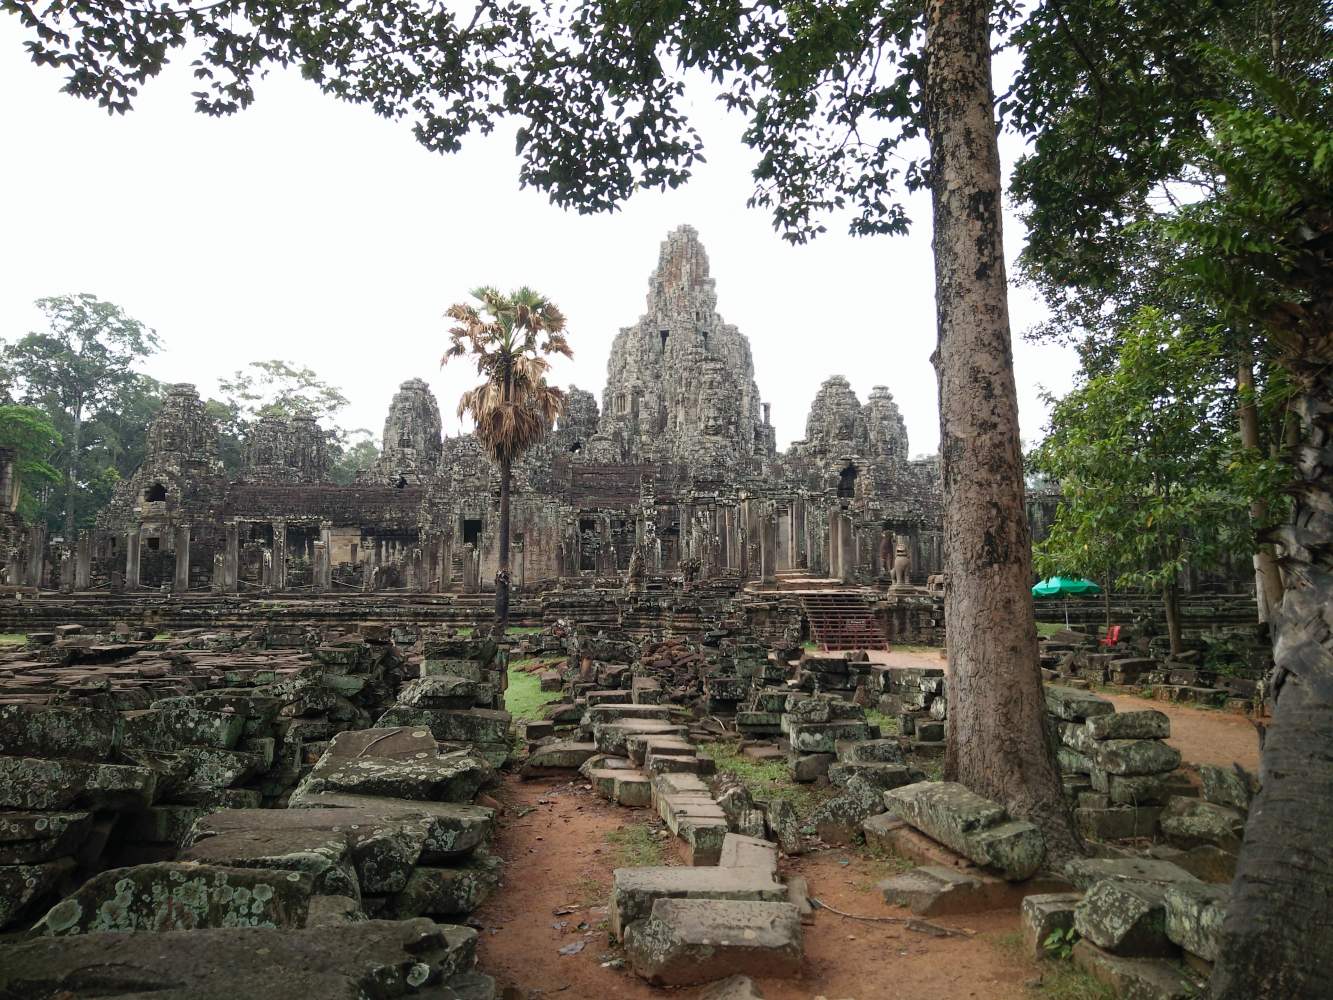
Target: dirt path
(557,858)
(1203,736)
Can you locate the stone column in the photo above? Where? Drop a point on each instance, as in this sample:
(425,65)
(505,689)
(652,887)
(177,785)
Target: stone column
(132,559)
(279,553)
(318,566)
(799,559)
(231,557)
(36,554)
(847,549)
(83,561)
(471,569)
(182,581)
(446,563)
(834,545)
(369,565)
(217,582)
(325,581)
(744,536)
(768,547)
(66,569)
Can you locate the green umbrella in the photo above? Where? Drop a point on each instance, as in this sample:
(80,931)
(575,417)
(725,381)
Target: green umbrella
(1064,586)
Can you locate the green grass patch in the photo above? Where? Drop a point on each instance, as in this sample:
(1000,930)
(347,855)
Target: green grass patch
(811,645)
(524,698)
(12,638)
(1048,629)
(888,724)
(1062,980)
(522,629)
(767,780)
(636,846)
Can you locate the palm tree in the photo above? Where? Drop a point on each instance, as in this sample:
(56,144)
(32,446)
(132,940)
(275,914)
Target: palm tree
(513,407)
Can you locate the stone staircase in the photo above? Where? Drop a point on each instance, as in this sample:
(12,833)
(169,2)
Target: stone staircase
(842,619)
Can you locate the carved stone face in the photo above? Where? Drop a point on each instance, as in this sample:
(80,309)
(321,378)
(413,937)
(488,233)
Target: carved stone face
(900,550)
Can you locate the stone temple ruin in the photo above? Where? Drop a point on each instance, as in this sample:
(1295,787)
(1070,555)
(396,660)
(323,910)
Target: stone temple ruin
(256,719)
(679,461)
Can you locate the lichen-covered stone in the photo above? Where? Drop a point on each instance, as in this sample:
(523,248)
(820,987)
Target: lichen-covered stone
(971,825)
(172,896)
(30,837)
(1125,917)
(447,892)
(1188,822)
(423,775)
(1136,756)
(1227,786)
(54,731)
(23,885)
(1194,916)
(1075,705)
(1148,724)
(32,783)
(1084,873)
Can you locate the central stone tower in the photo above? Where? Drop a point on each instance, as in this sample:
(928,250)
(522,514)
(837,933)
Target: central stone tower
(680,383)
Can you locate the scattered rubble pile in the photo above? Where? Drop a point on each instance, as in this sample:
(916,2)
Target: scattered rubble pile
(915,695)
(229,785)
(1225,673)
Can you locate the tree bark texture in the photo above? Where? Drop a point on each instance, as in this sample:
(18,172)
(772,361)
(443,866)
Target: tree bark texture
(1267,578)
(71,472)
(998,742)
(1171,604)
(1277,941)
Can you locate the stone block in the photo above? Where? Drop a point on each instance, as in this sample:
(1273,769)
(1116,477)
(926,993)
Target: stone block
(55,731)
(1083,873)
(1125,917)
(1149,724)
(971,825)
(1188,822)
(1194,916)
(34,783)
(31,837)
(448,777)
(810,767)
(1136,756)
(748,852)
(687,941)
(1227,786)
(446,892)
(1117,822)
(634,890)
(1136,978)
(170,896)
(1042,916)
(884,751)
(557,757)
(23,886)
(1073,705)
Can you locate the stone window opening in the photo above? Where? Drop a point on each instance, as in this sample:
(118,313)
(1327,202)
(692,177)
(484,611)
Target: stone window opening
(703,335)
(576,447)
(157,493)
(400,483)
(471,531)
(587,524)
(847,482)
(664,334)
(154,543)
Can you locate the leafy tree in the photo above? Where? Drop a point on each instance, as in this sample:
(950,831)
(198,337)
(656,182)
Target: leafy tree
(33,438)
(838,100)
(510,338)
(1147,467)
(355,457)
(79,369)
(273,388)
(1260,249)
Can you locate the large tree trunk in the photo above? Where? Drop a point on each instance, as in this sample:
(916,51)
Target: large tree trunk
(502,572)
(1171,602)
(998,743)
(1277,941)
(71,472)
(1267,579)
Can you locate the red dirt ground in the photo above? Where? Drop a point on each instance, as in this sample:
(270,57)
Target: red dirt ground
(556,857)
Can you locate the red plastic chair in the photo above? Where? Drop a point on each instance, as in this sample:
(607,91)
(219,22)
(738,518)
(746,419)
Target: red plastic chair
(1112,636)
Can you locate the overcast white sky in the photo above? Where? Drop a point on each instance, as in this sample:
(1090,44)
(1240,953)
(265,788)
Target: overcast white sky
(312,231)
